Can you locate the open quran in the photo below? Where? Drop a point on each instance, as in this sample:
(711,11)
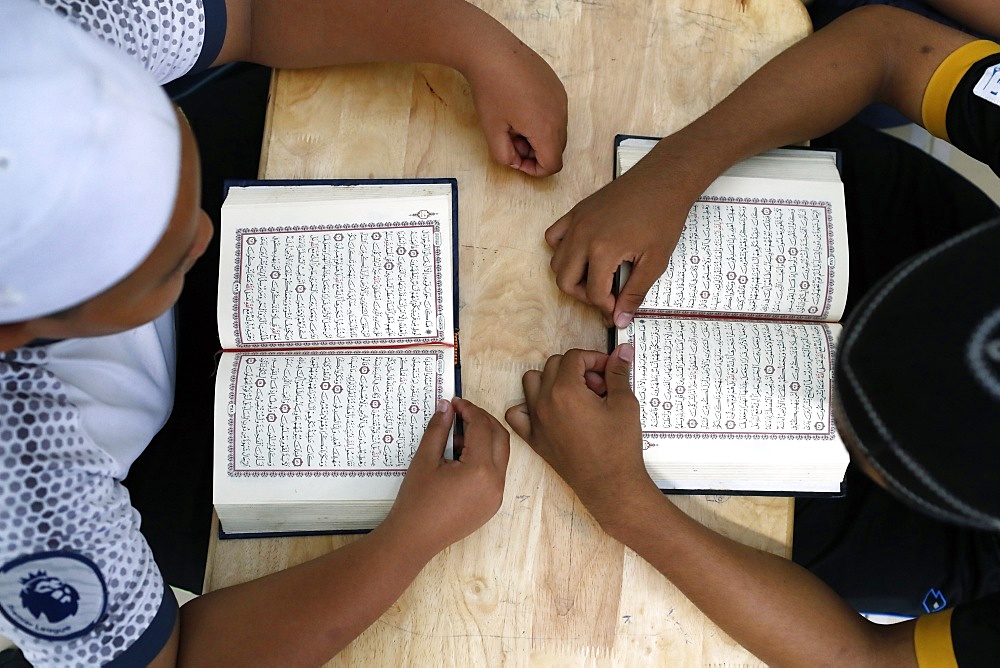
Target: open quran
(735,341)
(338,326)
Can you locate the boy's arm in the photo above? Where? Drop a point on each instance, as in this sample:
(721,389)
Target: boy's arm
(771,606)
(520,101)
(871,54)
(306,614)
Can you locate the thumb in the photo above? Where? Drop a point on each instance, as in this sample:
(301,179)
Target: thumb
(435,438)
(557,231)
(617,371)
(520,421)
(633,292)
(546,157)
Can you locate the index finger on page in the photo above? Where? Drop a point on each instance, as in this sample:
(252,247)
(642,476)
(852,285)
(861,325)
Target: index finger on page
(633,292)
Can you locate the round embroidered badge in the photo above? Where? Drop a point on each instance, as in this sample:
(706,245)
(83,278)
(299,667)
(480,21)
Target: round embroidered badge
(53,595)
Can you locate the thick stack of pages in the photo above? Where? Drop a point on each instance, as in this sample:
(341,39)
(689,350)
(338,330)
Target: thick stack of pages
(337,318)
(735,342)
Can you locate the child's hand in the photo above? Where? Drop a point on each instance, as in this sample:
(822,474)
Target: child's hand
(521,104)
(593,442)
(632,219)
(444,500)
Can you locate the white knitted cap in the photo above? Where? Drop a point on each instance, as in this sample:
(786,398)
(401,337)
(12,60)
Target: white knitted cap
(89,163)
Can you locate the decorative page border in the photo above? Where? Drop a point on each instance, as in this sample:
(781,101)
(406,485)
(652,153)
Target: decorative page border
(425,221)
(441,356)
(827,435)
(831,274)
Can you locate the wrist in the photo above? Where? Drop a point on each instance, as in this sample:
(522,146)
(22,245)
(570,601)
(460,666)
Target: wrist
(476,41)
(409,539)
(619,507)
(683,169)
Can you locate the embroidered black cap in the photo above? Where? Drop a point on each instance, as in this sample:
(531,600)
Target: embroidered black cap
(918,379)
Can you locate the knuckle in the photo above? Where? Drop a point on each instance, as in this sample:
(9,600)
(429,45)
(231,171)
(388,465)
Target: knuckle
(490,484)
(631,404)
(544,411)
(565,282)
(563,400)
(633,293)
(602,247)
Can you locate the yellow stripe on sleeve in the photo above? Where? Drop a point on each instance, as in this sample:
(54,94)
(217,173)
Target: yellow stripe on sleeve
(932,640)
(937,95)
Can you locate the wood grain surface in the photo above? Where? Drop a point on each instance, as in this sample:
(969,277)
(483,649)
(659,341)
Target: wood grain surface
(540,584)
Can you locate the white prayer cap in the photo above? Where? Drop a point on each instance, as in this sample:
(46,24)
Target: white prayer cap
(89,163)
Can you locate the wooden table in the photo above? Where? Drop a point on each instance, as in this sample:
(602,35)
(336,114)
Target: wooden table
(540,584)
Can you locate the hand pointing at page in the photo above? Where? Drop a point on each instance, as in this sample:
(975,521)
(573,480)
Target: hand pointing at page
(636,218)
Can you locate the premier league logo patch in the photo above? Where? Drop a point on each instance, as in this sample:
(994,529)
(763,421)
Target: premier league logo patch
(53,595)
(45,595)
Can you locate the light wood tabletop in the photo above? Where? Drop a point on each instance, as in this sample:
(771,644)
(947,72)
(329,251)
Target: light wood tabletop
(540,584)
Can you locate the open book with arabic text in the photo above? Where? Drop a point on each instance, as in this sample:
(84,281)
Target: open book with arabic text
(338,324)
(735,342)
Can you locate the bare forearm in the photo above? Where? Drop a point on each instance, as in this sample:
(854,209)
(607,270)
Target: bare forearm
(876,54)
(773,607)
(310,33)
(303,615)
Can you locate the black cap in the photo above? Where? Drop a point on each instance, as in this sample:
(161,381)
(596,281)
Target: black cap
(918,379)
